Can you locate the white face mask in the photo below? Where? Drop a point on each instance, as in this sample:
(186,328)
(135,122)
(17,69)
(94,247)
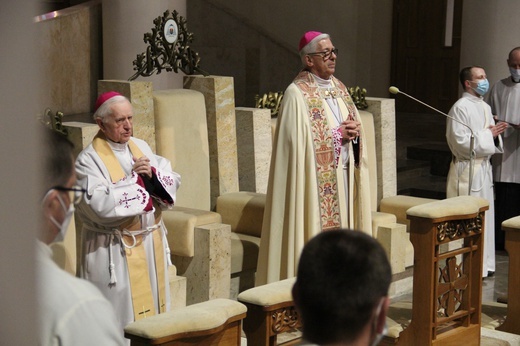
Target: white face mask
(515,74)
(66,220)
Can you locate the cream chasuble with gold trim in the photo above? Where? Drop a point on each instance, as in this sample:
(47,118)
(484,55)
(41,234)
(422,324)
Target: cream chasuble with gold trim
(306,192)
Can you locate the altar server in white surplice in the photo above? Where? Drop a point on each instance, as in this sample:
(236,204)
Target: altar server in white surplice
(471,110)
(124,248)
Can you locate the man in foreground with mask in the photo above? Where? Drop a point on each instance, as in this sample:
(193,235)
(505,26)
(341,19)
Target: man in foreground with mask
(471,110)
(341,289)
(504,99)
(72,311)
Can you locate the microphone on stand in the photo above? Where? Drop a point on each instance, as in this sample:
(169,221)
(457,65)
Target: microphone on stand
(395,90)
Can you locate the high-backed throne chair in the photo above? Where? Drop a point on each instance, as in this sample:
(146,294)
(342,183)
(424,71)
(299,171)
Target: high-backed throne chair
(205,248)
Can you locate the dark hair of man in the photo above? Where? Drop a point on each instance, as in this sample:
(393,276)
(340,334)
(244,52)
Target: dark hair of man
(342,276)
(58,159)
(466,74)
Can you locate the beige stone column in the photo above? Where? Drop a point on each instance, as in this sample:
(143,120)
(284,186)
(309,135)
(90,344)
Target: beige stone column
(383,111)
(140,95)
(254,147)
(218,93)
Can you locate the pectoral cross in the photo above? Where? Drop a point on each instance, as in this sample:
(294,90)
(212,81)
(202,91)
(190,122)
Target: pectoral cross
(144,312)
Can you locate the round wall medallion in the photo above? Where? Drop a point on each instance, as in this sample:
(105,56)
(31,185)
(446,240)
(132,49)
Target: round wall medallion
(171,31)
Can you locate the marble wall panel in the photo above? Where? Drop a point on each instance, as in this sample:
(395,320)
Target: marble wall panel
(383,111)
(71,57)
(254,147)
(218,93)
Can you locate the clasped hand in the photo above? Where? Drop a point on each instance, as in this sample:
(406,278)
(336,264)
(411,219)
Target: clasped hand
(142,166)
(499,128)
(350,129)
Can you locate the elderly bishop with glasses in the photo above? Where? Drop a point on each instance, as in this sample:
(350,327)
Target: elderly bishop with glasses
(319,172)
(124,248)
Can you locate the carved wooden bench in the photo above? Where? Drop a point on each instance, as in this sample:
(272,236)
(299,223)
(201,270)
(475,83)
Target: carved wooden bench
(270,312)
(214,322)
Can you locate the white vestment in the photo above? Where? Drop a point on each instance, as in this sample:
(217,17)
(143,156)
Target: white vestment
(475,113)
(504,100)
(294,196)
(105,208)
(71,311)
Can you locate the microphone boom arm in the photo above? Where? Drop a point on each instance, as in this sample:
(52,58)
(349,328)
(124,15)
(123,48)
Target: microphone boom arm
(472,155)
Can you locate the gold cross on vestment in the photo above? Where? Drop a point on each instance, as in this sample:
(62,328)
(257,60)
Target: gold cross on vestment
(331,92)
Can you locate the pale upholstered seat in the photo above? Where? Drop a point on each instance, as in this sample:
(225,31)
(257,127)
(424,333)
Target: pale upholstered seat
(214,322)
(270,312)
(243,211)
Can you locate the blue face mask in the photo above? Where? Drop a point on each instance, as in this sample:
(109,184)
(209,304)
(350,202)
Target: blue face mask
(482,87)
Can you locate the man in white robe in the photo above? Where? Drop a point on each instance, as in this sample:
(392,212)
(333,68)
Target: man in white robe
(71,311)
(124,248)
(318,176)
(504,99)
(472,111)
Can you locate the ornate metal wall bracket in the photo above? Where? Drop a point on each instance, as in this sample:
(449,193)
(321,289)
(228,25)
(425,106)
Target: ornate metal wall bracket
(53,121)
(168,48)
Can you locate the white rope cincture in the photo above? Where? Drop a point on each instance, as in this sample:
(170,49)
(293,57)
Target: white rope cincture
(111,266)
(165,242)
(115,232)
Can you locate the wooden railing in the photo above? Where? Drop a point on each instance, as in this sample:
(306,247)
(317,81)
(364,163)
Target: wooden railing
(447,282)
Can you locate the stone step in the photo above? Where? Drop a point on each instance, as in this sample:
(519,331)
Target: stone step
(414,178)
(410,169)
(437,153)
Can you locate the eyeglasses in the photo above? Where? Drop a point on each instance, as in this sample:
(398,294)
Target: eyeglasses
(326,54)
(75,192)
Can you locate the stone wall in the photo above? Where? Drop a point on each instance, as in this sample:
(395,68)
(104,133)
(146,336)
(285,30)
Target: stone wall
(71,57)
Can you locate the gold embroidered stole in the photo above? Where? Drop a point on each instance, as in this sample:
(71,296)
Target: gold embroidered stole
(324,146)
(142,298)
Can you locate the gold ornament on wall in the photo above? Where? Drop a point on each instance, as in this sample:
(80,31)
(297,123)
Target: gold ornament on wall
(54,121)
(168,48)
(271,100)
(358,96)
